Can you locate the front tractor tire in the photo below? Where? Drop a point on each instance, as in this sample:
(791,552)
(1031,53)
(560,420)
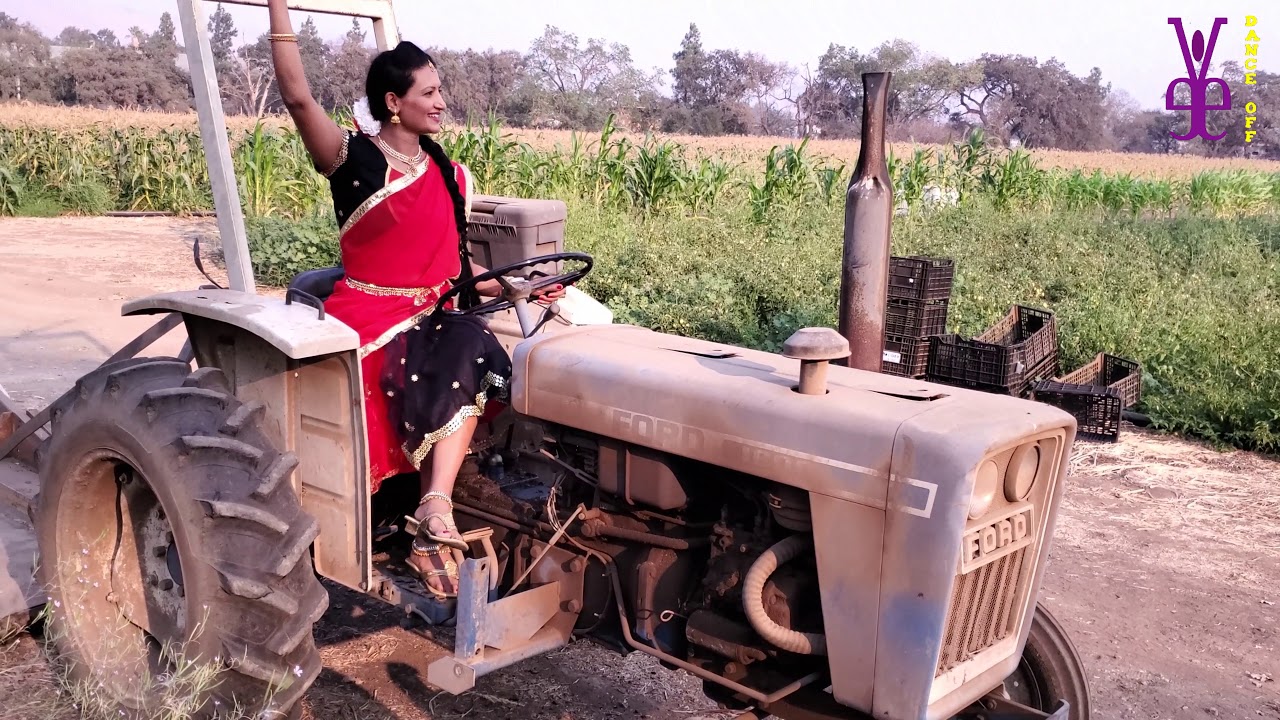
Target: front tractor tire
(174,549)
(1050,670)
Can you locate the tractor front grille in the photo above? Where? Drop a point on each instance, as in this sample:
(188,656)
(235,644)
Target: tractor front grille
(981,612)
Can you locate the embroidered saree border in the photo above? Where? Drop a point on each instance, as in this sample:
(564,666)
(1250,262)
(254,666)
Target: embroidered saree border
(376,199)
(391,332)
(418,294)
(470,190)
(429,441)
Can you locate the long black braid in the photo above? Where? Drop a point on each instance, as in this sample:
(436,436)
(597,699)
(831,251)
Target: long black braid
(392,71)
(470,298)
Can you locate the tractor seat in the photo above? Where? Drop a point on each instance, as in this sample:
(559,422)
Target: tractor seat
(318,283)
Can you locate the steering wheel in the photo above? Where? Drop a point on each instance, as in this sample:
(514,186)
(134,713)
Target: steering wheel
(518,290)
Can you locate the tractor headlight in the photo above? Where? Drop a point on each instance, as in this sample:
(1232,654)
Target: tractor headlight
(985,486)
(1021,475)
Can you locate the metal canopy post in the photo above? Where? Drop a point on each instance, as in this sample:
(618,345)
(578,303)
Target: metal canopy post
(213,126)
(217,148)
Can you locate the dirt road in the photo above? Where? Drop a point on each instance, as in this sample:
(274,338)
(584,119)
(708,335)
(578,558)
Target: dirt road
(1166,569)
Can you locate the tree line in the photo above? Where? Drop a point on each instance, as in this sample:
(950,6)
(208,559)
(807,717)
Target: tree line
(568,82)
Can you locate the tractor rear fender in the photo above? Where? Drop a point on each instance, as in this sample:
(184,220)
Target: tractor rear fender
(301,370)
(297,330)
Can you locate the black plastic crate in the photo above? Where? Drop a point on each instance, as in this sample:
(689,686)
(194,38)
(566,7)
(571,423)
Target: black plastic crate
(905,356)
(921,278)
(915,318)
(954,360)
(1097,409)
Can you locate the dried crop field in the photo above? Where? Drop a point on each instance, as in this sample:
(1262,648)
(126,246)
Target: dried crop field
(26,114)
(750,149)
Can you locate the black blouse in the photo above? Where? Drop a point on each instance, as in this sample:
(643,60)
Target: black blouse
(359,172)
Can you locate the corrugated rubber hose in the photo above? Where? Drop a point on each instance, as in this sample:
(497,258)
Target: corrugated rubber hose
(753,599)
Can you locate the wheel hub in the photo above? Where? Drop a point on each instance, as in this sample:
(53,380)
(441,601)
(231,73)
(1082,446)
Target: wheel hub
(146,572)
(1021,687)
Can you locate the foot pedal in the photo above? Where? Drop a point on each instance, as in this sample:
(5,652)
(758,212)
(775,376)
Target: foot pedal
(477,535)
(484,536)
(411,525)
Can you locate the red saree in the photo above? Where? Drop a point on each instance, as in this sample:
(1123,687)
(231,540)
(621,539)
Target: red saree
(400,250)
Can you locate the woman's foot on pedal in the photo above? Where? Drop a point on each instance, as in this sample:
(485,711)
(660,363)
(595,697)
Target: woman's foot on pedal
(436,567)
(431,555)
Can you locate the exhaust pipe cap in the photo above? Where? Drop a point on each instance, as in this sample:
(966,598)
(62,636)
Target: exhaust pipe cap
(816,343)
(815,348)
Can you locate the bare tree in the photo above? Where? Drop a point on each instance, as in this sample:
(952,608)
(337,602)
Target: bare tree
(764,77)
(796,92)
(250,85)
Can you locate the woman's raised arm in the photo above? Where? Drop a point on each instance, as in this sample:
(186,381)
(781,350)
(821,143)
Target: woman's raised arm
(321,135)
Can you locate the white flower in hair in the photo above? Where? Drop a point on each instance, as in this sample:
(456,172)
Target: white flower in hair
(365,121)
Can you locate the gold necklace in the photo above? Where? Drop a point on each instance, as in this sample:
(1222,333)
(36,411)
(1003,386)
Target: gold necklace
(411,162)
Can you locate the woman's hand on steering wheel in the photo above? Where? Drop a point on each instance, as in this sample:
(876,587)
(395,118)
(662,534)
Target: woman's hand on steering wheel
(548,294)
(539,286)
(493,289)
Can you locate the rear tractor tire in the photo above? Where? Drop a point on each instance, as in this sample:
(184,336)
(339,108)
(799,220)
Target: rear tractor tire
(174,548)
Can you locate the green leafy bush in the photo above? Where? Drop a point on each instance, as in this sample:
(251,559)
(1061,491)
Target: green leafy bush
(88,196)
(282,248)
(38,202)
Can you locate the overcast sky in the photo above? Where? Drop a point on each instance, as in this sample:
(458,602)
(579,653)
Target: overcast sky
(1130,40)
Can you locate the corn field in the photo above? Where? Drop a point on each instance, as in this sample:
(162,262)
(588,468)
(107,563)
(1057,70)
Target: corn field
(94,169)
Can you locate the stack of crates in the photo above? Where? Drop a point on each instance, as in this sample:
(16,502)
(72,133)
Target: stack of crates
(1007,359)
(1095,394)
(919,294)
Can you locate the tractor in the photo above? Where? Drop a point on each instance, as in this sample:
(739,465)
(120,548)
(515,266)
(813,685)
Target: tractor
(808,537)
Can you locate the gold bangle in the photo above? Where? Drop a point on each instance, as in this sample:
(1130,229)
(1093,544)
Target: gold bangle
(283,37)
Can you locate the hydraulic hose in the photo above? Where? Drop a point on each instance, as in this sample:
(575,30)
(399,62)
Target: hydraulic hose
(753,599)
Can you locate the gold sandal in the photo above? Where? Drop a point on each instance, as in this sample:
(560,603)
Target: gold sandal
(450,569)
(421,529)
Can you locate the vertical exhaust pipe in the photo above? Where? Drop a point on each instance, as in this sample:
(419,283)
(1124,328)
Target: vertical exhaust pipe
(868,214)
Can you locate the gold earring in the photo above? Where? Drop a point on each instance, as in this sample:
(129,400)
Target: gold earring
(395,118)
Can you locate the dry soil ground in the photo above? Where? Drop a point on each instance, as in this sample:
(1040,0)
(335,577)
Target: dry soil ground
(1166,569)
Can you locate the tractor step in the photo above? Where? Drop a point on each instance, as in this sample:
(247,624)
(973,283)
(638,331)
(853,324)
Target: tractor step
(494,635)
(395,585)
(493,632)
